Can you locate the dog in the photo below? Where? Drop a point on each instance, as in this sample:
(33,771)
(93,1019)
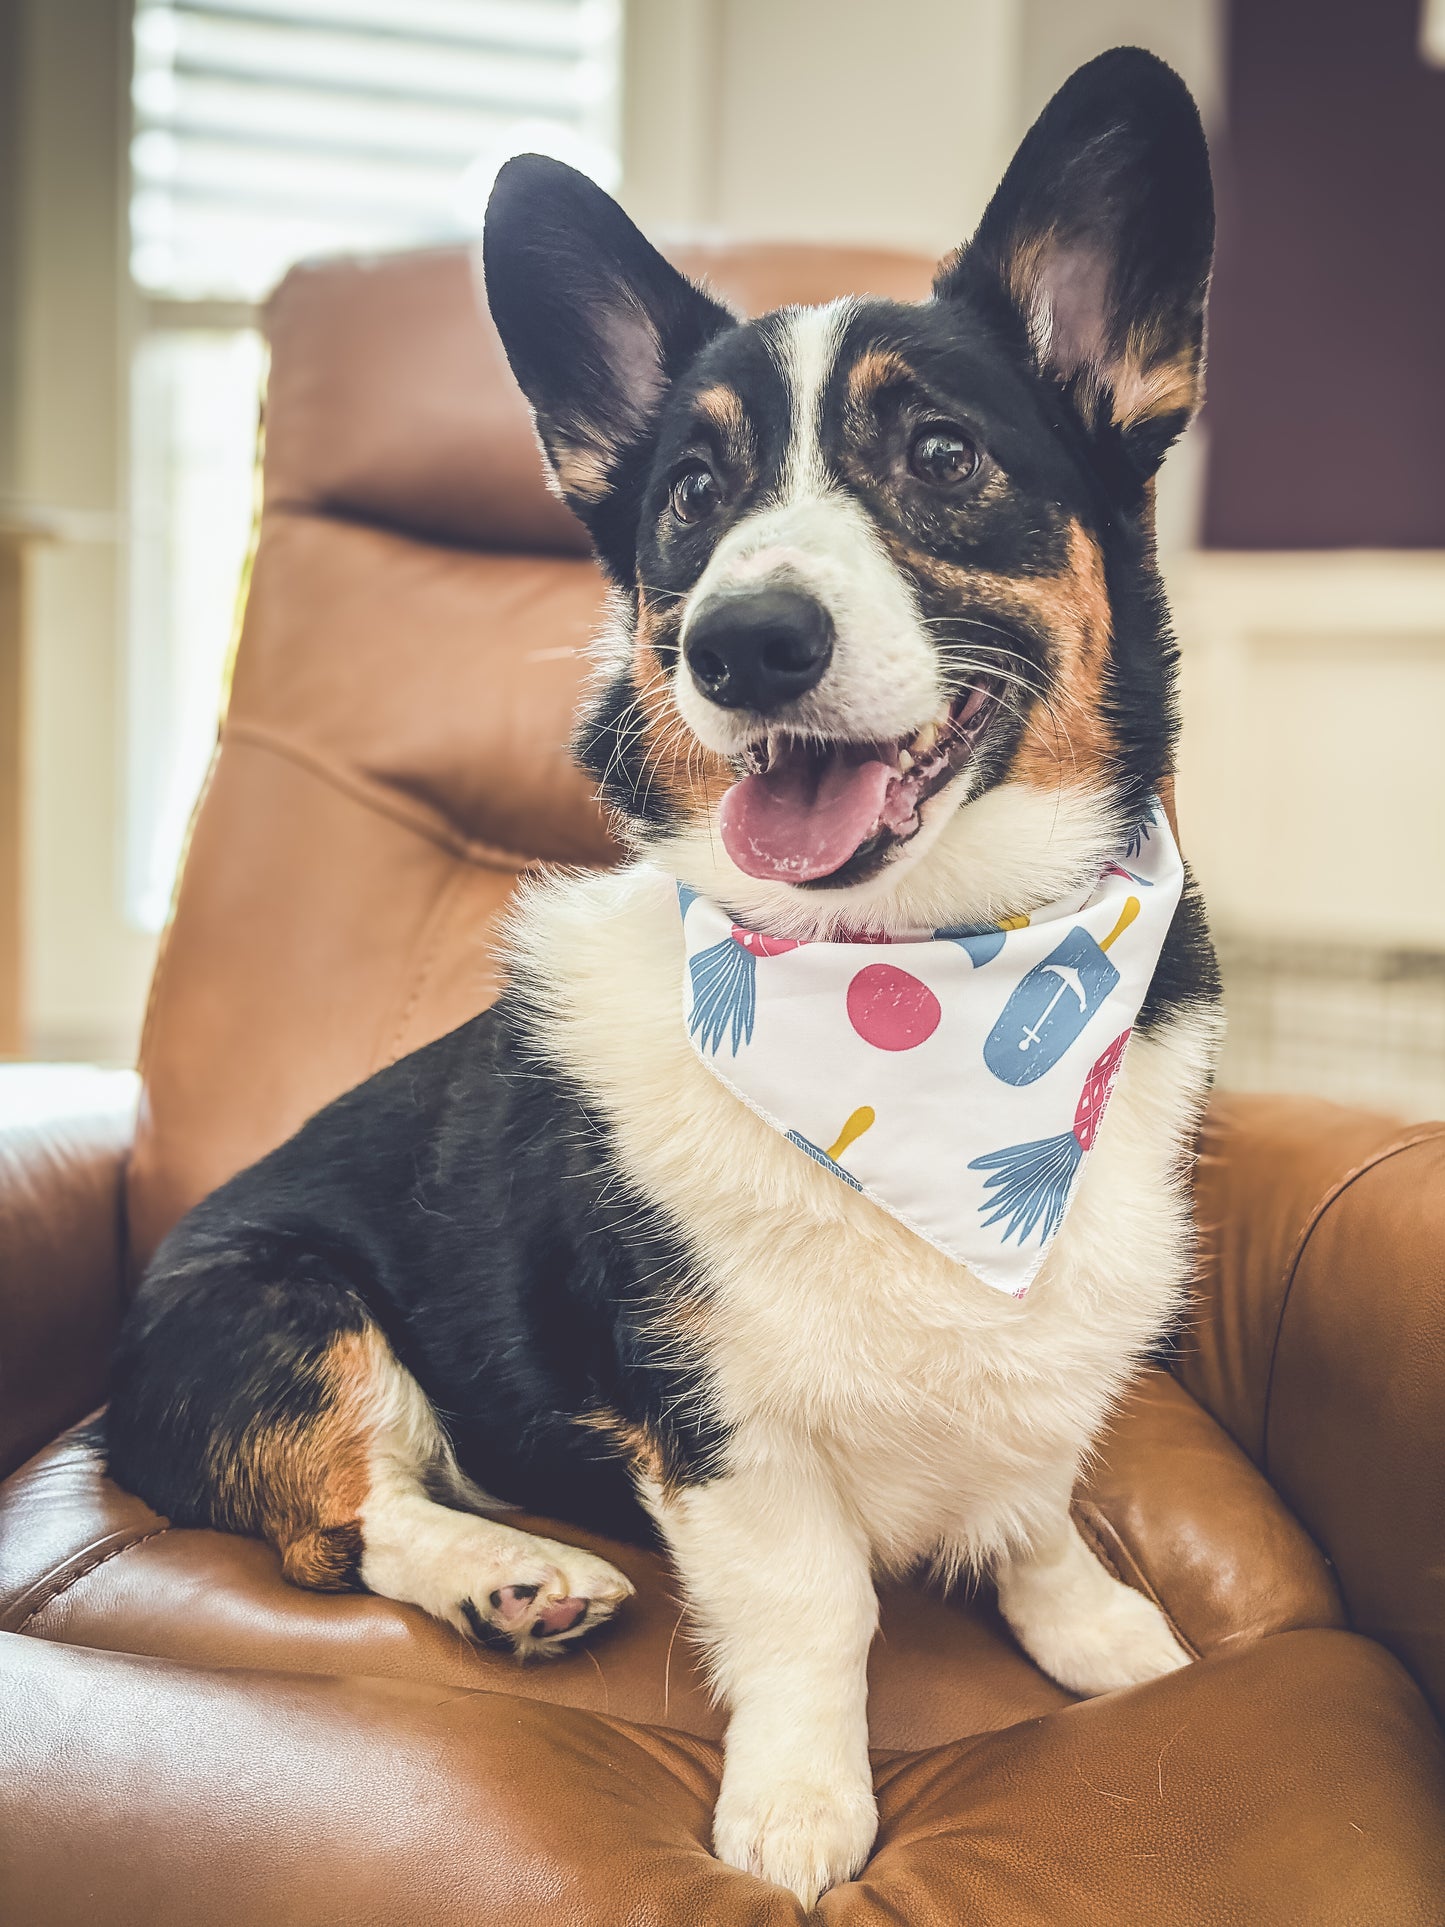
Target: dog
(888,652)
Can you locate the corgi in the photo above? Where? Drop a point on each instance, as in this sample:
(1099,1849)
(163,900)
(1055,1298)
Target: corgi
(888,651)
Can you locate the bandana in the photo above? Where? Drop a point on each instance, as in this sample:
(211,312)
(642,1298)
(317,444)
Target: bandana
(958,1078)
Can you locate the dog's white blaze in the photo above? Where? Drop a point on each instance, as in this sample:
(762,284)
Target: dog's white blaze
(883,681)
(883,1405)
(807,352)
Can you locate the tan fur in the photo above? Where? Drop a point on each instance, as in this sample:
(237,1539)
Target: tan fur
(1074,742)
(1069,738)
(679,767)
(1147,378)
(871,373)
(1149,384)
(722,408)
(642,1450)
(303,1487)
(582,472)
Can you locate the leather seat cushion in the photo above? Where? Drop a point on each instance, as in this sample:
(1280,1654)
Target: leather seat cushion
(83,1563)
(1296,1780)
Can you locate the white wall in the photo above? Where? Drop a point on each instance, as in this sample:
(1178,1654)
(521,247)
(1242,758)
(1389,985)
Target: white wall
(840,121)
(86,969)
(1311,783)
(1059,35)
(852,121)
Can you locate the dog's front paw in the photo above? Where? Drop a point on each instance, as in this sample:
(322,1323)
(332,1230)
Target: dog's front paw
(1127,1642)
(1084,1627)
(800,1834)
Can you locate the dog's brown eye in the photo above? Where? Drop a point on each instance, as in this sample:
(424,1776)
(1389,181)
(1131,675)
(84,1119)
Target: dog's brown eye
(696,493)
(942,455)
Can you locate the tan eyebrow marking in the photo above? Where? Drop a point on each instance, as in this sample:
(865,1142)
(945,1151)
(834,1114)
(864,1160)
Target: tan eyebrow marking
(722,407)
(876,369)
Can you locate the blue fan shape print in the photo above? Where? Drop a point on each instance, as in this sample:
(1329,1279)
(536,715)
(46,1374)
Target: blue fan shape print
(1030,1184)
(724,996)
(1138,834)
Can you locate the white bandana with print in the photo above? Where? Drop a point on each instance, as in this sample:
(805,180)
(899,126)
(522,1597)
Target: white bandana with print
(958,1078)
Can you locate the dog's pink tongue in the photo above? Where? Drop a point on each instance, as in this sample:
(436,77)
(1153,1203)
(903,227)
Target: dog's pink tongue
(806,816)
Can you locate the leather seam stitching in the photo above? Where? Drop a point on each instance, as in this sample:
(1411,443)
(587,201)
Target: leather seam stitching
(374,796)
(425,964)
(1315,1217)
(74,1577)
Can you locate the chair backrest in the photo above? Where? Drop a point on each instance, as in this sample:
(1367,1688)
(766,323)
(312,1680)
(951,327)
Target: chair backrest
(393,753)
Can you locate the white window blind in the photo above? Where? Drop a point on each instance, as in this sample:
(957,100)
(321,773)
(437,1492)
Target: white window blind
(266,130)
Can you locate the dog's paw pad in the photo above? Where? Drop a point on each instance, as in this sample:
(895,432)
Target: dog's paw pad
(510,1603)
(559,1616)
(538,1617)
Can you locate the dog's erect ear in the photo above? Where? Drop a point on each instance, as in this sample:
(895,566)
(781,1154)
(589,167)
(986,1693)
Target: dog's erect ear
(596,326)
(1100,239)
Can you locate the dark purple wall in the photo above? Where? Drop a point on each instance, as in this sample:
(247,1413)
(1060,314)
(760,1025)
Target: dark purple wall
(1327,346)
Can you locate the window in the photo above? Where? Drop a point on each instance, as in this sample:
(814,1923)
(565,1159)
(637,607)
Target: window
(265,131)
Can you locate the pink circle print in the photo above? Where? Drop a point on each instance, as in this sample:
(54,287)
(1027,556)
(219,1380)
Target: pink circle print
(891,1010)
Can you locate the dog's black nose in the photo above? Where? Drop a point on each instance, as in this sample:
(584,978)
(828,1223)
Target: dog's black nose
(758,648)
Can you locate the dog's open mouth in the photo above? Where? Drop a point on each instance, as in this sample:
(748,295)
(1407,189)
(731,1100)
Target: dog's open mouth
(806,809)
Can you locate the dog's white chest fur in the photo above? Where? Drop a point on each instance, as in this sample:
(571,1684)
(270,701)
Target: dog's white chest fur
(946,1413)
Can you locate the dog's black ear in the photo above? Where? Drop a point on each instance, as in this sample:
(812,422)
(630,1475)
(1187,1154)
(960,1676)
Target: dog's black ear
(1100,239)
(596,326)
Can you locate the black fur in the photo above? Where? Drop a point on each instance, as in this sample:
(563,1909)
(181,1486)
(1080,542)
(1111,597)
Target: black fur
(1113,177)
(611,746)
(596,325)
(1188,970)
(465,1201)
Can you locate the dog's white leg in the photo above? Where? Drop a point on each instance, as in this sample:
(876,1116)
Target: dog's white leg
(779,1581)
(491,1581)
(1085,1628)
(498,1585)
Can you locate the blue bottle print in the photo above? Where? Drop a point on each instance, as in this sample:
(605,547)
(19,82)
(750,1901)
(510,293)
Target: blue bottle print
(981,946)
(1053,1003)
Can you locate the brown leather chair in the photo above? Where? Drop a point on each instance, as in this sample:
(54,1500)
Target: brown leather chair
(186,1740)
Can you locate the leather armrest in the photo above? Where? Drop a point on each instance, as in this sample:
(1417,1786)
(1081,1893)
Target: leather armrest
(64,1135)
(1319,1342)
